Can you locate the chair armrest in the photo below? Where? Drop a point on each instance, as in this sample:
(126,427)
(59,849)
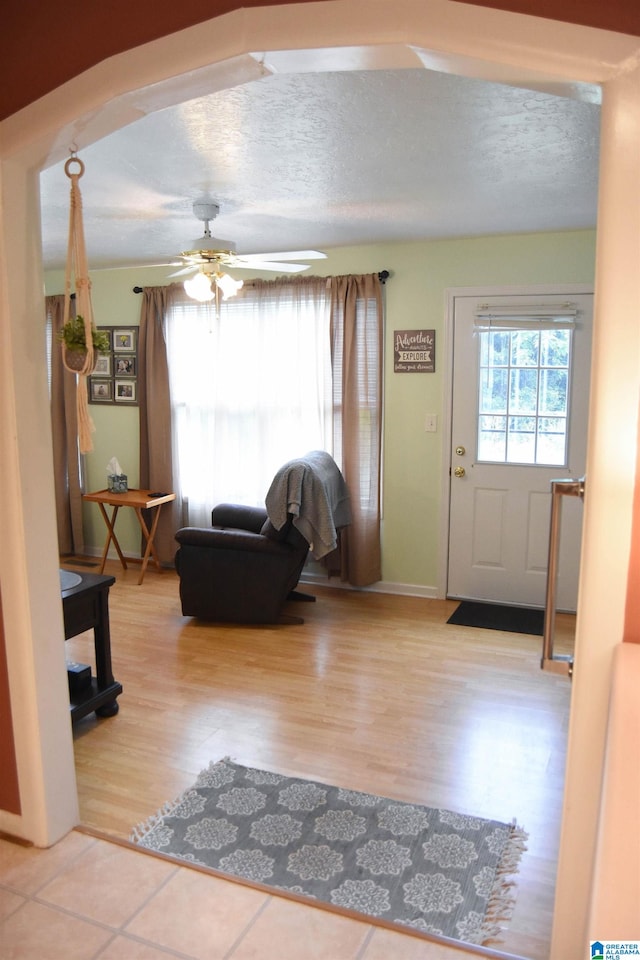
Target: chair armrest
(232,539)
(238,517)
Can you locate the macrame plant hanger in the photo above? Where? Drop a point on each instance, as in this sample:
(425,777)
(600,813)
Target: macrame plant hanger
(78,267)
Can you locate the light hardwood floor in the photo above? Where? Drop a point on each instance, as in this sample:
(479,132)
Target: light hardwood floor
(373,692)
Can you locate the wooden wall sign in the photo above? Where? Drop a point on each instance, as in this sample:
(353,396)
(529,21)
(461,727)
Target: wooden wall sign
(414,351)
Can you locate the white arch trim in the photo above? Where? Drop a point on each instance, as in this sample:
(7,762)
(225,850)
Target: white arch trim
(349,34)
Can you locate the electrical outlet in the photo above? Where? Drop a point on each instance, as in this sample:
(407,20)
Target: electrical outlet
(431,423)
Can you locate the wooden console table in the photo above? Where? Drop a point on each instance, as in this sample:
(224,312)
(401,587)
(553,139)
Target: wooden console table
(85,606)
(139,500)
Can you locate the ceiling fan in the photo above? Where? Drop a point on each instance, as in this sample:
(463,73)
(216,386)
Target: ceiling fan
(210,253)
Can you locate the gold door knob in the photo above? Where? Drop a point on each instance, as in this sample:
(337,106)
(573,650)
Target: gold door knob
(460,451)
(459,472)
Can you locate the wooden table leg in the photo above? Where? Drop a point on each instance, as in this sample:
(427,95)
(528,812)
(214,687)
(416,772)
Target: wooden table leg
(111,536)
(149,535)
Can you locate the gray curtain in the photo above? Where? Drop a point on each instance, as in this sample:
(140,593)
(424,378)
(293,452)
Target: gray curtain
(356,359)
(64,427)
(156,455)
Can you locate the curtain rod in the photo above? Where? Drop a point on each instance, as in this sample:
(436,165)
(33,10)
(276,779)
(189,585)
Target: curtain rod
(383,276)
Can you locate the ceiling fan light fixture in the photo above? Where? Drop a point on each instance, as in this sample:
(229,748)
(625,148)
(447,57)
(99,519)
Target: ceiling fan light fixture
(200,287)
(227,285)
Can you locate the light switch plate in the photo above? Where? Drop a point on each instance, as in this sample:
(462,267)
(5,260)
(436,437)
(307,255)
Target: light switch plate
(431,423)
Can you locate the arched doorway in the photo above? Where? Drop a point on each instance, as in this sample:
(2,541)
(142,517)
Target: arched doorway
(206,57)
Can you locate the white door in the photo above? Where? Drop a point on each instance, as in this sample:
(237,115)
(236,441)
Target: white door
(521,367)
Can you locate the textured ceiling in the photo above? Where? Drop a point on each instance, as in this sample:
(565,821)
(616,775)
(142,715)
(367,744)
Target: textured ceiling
(333,159)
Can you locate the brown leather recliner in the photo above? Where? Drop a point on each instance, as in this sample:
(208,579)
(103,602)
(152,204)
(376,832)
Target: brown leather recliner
(242,570)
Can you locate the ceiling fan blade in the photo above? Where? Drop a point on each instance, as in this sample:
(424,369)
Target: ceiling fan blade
(134,266)
(181,273)
(287,255)
(240,263)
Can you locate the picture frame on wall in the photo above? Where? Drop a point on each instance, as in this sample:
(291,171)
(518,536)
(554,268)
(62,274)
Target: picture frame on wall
(101,390)
(125,365)
(115,377)
(103,365)
(125,391)
(124,340)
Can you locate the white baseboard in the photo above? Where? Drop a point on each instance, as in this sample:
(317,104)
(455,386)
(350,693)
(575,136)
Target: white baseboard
(318,579)
(381,586)
(127,554)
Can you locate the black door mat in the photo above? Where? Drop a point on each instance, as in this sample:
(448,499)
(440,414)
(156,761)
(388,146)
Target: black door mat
(495,616)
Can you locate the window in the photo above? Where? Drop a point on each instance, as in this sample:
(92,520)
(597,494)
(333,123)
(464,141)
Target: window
(523,397)
(250,386)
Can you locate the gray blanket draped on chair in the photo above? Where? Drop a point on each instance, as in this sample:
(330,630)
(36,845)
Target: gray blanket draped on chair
(311,489)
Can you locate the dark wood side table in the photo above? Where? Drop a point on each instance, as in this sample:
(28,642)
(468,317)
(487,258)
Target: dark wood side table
(85,606)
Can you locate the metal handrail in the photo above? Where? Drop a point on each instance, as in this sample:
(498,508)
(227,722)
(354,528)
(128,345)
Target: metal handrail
(559,488)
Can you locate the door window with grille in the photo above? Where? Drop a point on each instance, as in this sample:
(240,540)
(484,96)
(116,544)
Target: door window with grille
(523,391)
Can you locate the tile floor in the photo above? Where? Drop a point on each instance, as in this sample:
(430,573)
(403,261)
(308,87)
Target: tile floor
(89,899)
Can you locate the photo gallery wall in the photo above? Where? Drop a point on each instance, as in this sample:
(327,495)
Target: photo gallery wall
(115,377)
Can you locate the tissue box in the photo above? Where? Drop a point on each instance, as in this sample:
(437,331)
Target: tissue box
(117,483)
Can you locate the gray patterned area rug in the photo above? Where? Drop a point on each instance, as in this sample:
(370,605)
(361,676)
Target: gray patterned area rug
(440,873)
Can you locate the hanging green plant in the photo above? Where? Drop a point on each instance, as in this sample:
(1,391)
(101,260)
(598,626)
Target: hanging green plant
(73,336)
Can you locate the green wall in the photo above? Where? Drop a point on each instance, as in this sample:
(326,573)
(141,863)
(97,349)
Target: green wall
(421,273)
